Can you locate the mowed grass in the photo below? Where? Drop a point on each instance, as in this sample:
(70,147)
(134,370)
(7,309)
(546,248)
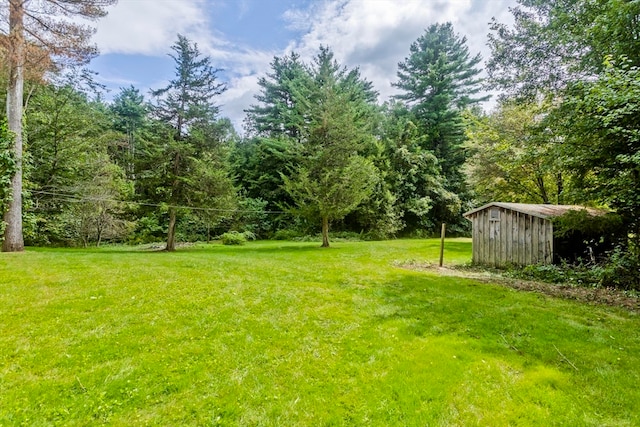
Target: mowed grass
(289,334)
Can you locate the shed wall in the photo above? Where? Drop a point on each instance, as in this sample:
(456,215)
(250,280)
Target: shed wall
(514,238)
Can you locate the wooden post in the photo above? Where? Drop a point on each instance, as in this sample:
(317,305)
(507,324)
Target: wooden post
(444,227)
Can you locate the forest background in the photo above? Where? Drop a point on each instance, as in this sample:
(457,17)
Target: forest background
(318,149)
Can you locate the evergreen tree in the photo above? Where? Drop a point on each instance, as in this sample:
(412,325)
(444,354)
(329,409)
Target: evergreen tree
(439,79)
(187,164)
(130,112)
(332,177)
(280,112)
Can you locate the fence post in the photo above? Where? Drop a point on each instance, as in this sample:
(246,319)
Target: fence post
(444,227)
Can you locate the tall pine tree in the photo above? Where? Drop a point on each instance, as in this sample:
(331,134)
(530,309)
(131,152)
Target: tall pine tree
(439,79)
(51,27)
(188,164)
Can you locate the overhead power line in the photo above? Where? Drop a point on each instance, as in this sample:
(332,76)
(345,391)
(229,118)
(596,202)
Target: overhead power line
(75,198)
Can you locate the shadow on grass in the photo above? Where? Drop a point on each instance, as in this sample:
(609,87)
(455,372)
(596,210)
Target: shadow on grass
(432,305)
(198,248)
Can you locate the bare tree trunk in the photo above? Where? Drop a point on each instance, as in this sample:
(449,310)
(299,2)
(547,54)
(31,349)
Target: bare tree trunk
(171,234)
(13,238)
(325,232)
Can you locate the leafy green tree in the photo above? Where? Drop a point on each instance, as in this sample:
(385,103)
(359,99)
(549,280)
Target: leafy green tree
(602,146)
(98,194)
(379,216)
(412,172)
(514,156)
(187,165)
(69,166)
(439,79)
(555,42)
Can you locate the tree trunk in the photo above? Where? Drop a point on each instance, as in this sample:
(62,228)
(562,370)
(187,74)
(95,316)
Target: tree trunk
(171,235)
(325,232)
(543,190)
(560,187)
(13,238)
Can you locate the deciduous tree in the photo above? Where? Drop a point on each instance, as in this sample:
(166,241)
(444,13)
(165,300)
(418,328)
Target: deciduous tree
(555,42)
(49,25)
(602,147)
(514,156)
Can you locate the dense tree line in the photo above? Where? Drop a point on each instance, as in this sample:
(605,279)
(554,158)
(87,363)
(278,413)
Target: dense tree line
(319,150)
(566,129)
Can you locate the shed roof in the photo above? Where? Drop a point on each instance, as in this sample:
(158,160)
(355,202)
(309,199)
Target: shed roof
(538,210)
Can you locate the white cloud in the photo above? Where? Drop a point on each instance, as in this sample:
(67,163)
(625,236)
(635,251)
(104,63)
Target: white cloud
(376,34)
(148,27)
(238,97)
(371,34)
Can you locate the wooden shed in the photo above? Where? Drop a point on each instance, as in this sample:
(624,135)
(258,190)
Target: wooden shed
(515,233)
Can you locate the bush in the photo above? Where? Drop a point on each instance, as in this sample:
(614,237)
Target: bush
(233,238)
(286,234)
(622,270)
(236,238)
(578,274)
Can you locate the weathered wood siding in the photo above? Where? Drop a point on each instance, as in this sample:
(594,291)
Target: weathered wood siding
(513,238)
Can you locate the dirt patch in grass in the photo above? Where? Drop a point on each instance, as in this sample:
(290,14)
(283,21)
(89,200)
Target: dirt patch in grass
(607,296)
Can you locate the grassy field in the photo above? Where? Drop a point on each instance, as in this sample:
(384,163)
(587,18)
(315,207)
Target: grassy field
(288,334)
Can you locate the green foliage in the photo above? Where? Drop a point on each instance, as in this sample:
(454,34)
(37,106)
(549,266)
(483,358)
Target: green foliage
(286,234)
(622,269)
(149,229)
(233,238)
(253,217)
(188,98)
(554,43)
(185,163)
(514,156)
(609,225)
(7,167)
(602,147)
(439,79)
(280,113)
(76,192)
(551,273)
(130,115)
(258,165)
(332,177)
(412,173)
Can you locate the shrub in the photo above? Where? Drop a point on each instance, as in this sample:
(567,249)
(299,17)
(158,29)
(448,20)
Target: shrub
(622,270)
(286,234)
(233,238)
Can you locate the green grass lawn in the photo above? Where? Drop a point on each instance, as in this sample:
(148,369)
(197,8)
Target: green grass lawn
(289,334)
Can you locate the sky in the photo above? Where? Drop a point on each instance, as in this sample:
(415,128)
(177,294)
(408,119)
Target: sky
(243,36)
